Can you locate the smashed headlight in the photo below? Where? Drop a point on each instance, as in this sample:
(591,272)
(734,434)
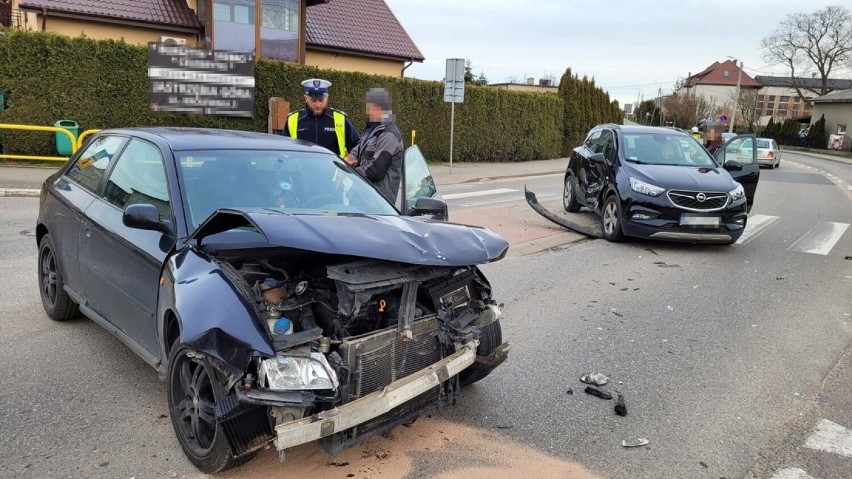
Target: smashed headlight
(297,373)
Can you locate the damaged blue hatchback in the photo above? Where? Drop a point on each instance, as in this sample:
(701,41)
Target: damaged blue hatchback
(279,294)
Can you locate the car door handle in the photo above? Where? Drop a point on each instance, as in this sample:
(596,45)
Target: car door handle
(88,232)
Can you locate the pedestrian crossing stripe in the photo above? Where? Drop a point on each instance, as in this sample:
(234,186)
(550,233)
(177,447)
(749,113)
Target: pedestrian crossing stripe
(831,437)
(820,239)
(755,226)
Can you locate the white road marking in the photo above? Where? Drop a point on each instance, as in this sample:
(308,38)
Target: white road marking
(792,473)
(755,226)
(470,194)
(831,437)
(820,239)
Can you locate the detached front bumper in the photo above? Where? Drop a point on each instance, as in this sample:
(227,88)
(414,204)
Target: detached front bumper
(375,404)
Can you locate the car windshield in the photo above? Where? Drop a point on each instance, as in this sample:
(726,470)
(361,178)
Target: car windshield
(665,149)
(294,182)
(762,143)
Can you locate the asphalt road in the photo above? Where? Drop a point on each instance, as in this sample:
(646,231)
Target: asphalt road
(734,360)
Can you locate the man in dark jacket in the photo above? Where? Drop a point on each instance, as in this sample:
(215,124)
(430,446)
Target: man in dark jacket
(319,123)
(379,155)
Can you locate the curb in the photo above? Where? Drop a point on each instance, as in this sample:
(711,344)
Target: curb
(516,175)
(819,156)
(20,192)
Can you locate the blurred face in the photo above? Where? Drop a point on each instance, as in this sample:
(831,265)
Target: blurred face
(374,113)
(316,105)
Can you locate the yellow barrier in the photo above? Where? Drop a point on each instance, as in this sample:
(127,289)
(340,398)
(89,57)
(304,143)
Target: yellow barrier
(413,134)
(83,135)
(9,126)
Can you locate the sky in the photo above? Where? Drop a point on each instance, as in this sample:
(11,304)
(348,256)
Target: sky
(630,47)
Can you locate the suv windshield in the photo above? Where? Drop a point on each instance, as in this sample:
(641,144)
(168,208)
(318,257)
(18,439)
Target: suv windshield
(665,149)
(283,180)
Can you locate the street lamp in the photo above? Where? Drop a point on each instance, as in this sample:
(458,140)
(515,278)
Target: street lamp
(736,95)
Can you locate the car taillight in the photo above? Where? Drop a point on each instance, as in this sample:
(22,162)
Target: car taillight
(771,154)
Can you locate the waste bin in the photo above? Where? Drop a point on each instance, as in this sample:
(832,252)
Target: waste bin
(63,143)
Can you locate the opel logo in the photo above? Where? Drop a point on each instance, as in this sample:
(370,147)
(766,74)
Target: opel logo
(701,197)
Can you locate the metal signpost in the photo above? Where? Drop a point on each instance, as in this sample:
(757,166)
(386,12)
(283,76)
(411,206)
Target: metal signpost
(454,93)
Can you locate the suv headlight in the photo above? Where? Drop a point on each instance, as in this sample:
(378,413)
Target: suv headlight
(737,194)
(297,373)
(645,188)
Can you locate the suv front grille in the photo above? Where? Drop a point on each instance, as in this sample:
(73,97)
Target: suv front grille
(698,200)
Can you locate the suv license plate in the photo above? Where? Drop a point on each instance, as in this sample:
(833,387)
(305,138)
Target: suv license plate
(699,221)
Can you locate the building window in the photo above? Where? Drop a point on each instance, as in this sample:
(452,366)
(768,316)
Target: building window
(279,30)
(726,73)
(233,25)
(238,23)
(841,129)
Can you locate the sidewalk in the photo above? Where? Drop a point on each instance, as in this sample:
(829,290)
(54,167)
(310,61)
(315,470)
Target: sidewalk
(26,181)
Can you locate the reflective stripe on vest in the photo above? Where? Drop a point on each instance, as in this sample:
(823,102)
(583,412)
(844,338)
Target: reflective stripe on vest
(293,124)
(339,129)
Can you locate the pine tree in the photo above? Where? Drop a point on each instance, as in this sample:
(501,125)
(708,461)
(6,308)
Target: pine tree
(816,134)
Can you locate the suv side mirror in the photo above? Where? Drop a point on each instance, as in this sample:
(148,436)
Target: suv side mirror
(145,217)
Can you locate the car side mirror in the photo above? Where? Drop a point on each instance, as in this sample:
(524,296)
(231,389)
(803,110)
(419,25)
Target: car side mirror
(598,158)
(145,217)
(430,206)
(732,165)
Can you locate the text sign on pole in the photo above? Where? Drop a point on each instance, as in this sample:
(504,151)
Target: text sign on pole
(195,80)
(454,81)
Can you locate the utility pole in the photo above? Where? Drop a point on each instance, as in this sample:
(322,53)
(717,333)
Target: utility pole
(660,103)
(736,97)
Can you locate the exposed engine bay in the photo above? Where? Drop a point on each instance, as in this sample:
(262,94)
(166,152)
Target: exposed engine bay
(344,330)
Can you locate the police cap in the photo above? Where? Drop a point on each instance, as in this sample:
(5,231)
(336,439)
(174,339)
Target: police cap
(316,87)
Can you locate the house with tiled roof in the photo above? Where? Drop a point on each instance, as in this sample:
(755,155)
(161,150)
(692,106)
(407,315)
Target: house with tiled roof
(718,84)
(349,35)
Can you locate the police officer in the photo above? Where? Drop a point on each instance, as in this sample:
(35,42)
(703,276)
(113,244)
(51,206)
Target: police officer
(319,123)
(696,134)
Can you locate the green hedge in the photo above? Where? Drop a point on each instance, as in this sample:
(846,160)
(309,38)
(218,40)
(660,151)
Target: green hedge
(103,84)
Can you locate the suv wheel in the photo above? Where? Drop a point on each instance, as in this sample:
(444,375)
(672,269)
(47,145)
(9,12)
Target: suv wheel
(611,220)
(569,195)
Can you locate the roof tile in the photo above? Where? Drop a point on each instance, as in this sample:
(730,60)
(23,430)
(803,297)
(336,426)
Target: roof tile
(367,26)
(715,75)
(159,12)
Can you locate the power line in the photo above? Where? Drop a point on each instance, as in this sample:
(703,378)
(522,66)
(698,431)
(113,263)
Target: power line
(639,85)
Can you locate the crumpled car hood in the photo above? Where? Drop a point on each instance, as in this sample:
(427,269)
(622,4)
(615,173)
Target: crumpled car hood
(392,238)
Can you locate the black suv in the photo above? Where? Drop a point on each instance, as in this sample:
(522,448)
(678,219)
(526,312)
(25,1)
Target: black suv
(660,183)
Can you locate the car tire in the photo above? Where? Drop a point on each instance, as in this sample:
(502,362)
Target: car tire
(611,220)
(569,195)
(194,388)
(489,339)
(57,304)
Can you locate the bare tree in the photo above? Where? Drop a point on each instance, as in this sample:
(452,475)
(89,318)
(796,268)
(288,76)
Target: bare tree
(818,43)
(685,109)
(747,107)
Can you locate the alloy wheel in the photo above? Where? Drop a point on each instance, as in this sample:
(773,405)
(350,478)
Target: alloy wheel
(194,402)
(48,276)
(610,218)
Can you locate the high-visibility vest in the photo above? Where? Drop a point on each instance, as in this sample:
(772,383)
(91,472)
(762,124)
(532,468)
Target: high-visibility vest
(339,129)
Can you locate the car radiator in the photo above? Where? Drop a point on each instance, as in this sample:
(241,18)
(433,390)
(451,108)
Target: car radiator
(380,358)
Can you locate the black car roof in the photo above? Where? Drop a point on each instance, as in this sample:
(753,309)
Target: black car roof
(646,129)
(181,139)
